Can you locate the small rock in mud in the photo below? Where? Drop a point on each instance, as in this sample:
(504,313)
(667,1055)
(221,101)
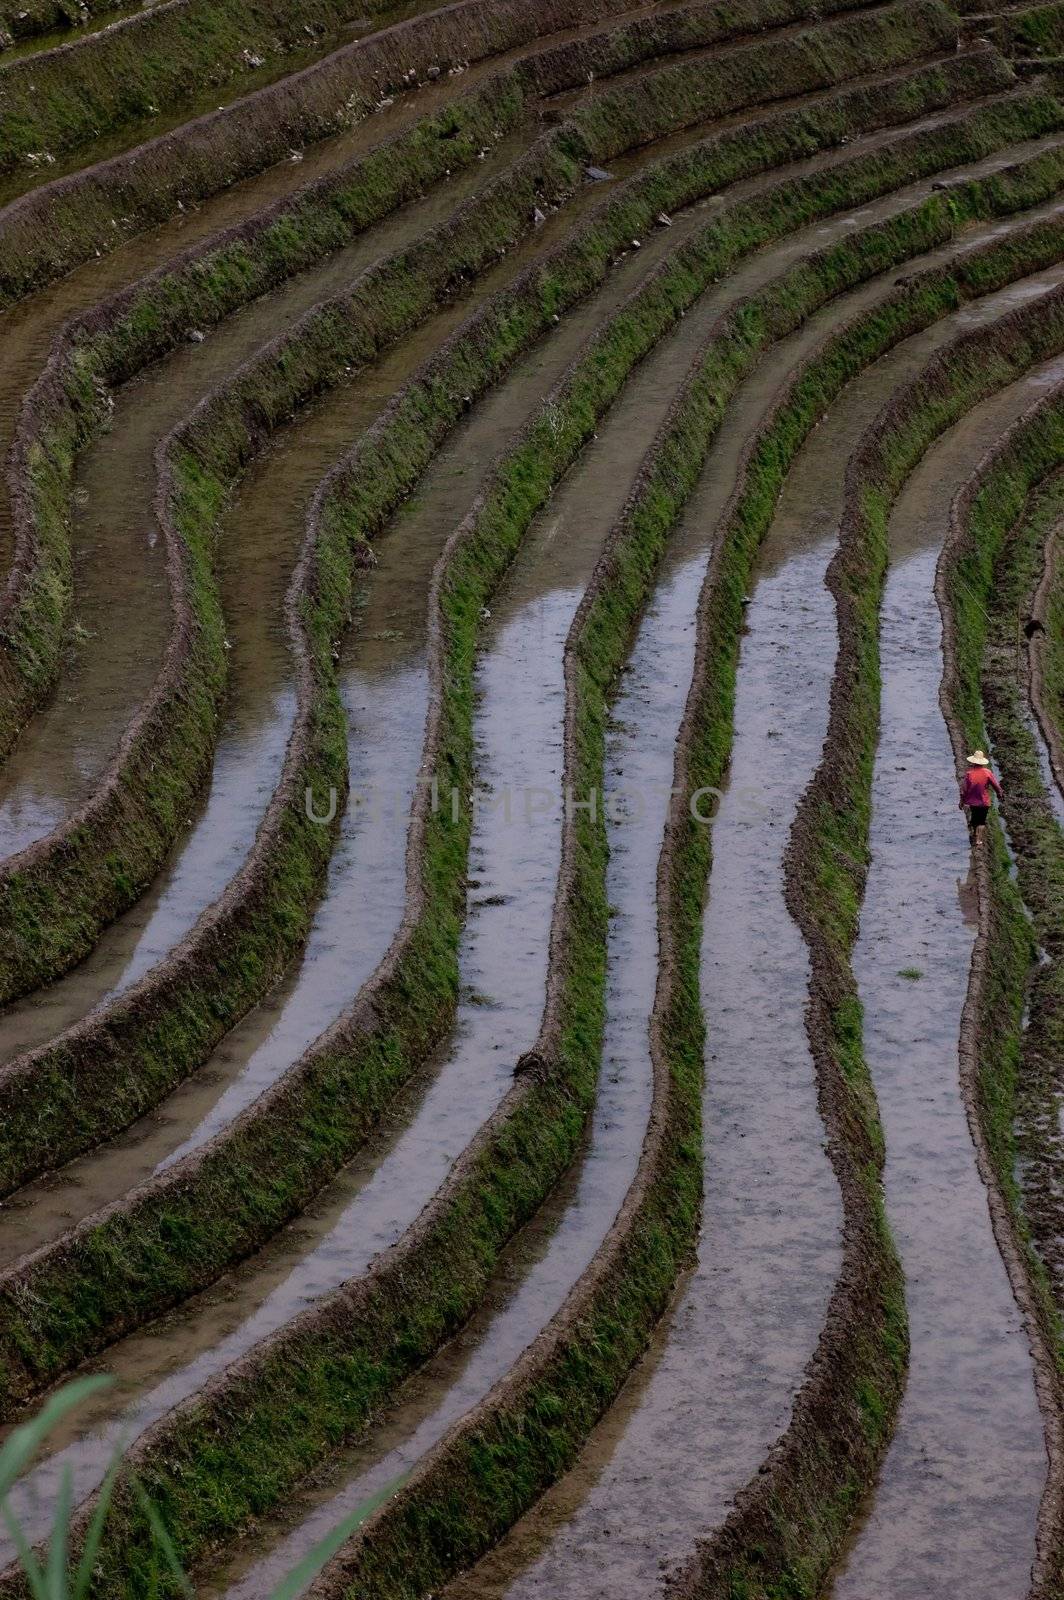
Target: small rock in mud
(433,73)
(538,217)
(531,1062)
(196,337)
(598,174)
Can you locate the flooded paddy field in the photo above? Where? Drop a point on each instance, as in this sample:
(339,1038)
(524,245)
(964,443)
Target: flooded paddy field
(544,1156)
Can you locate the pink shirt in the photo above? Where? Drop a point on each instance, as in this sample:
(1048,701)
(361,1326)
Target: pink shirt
(976,786)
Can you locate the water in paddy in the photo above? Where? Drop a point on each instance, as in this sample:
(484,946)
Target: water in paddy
(258,1052)
(29,327)
(162,1333)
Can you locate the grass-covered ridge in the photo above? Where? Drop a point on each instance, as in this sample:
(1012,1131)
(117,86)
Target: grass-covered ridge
(97,1076)
(56,226)
(151,62)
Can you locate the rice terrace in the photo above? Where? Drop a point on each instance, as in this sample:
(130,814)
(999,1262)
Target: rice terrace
(532,800)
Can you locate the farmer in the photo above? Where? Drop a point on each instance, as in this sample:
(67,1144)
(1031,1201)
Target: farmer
(975,793)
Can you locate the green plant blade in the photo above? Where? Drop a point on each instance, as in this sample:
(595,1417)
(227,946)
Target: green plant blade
(27,1560)
(27,1439)
(55,1577)
(91,1549)
(308,1569)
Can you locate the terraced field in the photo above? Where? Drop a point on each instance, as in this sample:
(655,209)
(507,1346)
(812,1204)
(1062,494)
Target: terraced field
(515,516)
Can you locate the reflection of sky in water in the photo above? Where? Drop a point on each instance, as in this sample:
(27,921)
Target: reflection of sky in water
(362,905)
(243,778)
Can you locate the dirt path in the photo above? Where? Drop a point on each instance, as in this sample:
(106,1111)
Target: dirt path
(968,1455)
